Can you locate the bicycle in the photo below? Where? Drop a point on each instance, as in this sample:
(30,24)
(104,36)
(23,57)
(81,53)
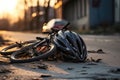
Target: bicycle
(45,47)
(15,47)
(41,49)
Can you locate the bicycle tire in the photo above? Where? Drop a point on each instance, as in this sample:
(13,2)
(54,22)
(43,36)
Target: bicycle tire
(14,59)
(5,51)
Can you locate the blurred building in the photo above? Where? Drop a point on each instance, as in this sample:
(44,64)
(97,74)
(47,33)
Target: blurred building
(117,11)
(88,13)
(83,14)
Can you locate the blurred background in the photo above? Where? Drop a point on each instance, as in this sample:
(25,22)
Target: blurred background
(85,16)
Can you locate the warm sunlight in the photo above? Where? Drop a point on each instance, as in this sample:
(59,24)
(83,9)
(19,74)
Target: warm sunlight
(8,8)
(7,5)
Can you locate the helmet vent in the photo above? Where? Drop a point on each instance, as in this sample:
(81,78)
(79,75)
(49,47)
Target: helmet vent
(61,43)
(70,40)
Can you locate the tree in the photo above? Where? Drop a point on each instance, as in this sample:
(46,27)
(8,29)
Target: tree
(46,9)
(25,14)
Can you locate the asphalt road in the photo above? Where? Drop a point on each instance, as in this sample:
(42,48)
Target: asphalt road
(109,44)
(82,71)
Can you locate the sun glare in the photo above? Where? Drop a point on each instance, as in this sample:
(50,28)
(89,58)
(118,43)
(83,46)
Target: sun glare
(8,9)
(7,5)
(14,9)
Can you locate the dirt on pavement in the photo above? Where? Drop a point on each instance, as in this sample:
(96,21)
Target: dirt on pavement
(93,69)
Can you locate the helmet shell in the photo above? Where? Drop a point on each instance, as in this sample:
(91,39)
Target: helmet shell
(71,44)
(56,24)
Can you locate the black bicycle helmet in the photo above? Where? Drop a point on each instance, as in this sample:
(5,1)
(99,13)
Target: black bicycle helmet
(71,45)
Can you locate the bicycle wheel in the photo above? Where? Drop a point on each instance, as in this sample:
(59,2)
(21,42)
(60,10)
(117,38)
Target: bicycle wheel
(29,54)
(15,47)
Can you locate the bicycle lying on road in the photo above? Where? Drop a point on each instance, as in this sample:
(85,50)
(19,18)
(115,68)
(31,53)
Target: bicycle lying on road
(70,45)
(29,51)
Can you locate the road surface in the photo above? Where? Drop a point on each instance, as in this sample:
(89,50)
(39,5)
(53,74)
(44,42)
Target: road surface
(84,71)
